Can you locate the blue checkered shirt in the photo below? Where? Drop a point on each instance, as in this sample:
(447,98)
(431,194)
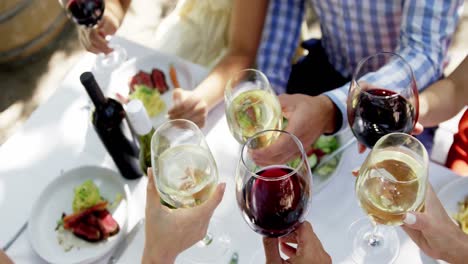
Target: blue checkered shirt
(419,30)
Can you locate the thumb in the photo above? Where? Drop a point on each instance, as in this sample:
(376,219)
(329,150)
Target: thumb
(152,195)
(210,205)
(416,220)
(177,96)
(361,148)
(418,129)
(272,255)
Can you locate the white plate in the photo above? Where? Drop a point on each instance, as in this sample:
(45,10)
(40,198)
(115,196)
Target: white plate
(57,197)
(450,195)
(120,78)
(453,193)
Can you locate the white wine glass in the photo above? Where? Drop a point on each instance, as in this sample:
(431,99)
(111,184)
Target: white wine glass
(391,182)
(251,106)
(186,176)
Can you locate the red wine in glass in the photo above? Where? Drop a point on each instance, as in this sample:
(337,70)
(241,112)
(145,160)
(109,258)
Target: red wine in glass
(274,207)
(378,112)
(86,12)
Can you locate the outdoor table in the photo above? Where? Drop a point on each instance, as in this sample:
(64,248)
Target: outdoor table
(59,136)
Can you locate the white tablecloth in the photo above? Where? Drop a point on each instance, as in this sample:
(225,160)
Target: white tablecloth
(58,136)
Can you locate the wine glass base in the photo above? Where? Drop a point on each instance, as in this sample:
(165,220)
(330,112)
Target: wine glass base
(209,250)
(111,60)
(382,248)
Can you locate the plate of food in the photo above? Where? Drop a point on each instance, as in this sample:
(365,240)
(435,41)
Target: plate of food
(80,216)
(325,145)
(152,80)
(454,197)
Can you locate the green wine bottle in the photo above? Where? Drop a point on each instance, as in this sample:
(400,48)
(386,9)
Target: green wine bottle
(141,125)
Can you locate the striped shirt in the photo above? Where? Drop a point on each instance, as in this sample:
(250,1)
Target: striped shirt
(418,30)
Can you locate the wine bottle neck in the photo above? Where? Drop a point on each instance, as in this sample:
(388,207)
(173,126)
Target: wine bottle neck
(93,89)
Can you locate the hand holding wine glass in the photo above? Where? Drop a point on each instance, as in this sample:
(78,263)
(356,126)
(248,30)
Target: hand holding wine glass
(308,118)
(309,249)
(186,175)
(169,232)
(435,232)
(274,197)
(391,182)
(94,39)
(99,20)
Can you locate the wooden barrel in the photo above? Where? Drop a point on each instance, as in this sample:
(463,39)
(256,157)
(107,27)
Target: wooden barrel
(27,26)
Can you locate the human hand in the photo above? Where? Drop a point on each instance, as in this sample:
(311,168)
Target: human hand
(168,232)
(435,232)
(418,129)
(309,248)
(94,39)
(188,105)
(308,118)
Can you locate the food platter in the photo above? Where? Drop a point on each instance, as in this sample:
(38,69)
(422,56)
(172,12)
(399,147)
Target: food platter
(122,78)
(57,198)
(323,176)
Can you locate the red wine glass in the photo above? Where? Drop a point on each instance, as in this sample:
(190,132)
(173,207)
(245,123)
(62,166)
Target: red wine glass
(382,100)
(88,13)
(273,198)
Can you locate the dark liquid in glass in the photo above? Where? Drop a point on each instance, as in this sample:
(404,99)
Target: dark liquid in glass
(274,208)
(379,112)
(86,12)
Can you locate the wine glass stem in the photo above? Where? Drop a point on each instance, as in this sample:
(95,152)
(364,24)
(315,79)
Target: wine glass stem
(374,239)
(207,239)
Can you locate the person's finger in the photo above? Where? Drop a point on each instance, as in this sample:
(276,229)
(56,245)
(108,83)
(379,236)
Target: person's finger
(272,254)
(107,28)
(278,152)
(306,239)
(152,195)
(288,250)
(415,235)
(183,108)
(210,205)
(417,221)
(290,238)
(177,96)
(121,98)
(418,129)
(196,116)
(361,148)
(99,42)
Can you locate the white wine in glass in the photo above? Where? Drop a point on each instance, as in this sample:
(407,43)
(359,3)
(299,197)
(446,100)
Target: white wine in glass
(186,175)
(391,186)
(251,107)
(391,182)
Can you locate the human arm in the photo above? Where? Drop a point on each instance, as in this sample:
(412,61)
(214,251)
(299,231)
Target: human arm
(246,24)
(4,258)
(445,98)
(280,39)
(435,232)
(93,39)
(168,232)
(425,34)
(309,248)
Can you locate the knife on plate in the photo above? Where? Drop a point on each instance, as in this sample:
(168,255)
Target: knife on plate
(123,245)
